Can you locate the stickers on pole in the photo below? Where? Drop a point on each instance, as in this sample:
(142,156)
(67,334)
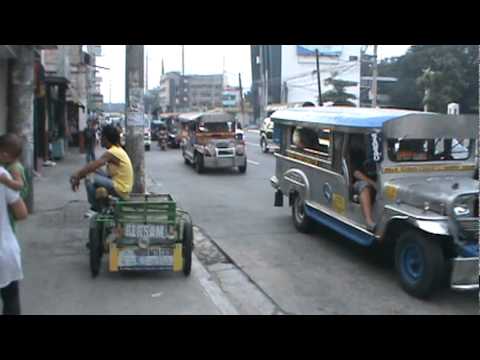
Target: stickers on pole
(135,111)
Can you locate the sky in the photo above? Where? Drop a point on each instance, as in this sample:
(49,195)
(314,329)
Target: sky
(199,59)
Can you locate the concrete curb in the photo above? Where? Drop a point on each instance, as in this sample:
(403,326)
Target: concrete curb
(212,289)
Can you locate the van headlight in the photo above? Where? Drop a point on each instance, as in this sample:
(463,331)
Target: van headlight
(461,210)
(239,149)
(210,149)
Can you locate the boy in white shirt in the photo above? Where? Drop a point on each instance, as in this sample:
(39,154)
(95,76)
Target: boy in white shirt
(10,263)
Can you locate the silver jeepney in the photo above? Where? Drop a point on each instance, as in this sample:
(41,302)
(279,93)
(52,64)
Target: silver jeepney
(426,211)
(210,142)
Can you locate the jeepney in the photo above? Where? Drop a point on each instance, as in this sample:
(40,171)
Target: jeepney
(426,202)
(210,141)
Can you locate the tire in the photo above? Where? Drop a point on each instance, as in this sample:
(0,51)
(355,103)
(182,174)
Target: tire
(147,147)
(243,169)
(187,247)
(300,219)
(199,163)
(96,250)
(263,145)
(420,263)
(186,161)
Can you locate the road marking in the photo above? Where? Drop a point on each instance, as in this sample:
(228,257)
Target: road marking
(252,144)
(213,290)
(253,162)
(254,131)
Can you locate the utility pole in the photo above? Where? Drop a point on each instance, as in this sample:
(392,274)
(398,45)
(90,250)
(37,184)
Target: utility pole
(20,109)
(135,114)
(242,108)
(183,60)
(146,72)
(320,102)
(374,77)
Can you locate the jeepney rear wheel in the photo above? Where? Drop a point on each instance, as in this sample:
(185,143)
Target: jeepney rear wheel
(187,247)
(300,219)
(243,168)
(263,145)
(96,249)
(199,163)
(420,263)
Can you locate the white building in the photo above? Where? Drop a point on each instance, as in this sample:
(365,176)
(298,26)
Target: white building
(287,73)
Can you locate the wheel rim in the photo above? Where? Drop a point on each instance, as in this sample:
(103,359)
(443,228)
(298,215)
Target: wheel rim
(412,263)
(299,210)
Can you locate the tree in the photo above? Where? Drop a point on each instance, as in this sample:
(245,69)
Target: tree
(338,95)
(434,75)
(151,99)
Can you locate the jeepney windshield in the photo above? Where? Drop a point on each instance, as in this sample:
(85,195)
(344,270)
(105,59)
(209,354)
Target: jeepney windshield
(213,127)
(438,149)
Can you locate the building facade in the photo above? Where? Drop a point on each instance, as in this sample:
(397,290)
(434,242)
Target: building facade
(190,92)
(287,73)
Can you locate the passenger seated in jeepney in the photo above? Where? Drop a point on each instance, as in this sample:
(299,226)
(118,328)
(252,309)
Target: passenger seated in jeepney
(305,139)
(365,177)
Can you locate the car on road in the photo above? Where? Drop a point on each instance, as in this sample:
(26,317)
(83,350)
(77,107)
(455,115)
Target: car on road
(210,141)
(266,130)
(423,164)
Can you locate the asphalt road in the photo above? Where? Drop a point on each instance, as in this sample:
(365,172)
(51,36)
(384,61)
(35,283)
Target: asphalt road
(319,273)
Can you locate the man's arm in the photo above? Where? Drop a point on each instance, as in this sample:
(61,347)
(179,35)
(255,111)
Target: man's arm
(94,165)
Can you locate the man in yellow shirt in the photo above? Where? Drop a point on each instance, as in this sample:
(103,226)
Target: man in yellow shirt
(119,177)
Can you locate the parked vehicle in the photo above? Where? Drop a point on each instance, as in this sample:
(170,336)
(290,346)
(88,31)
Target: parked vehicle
(426,204)
(147,232)
(210,142)
(147,134)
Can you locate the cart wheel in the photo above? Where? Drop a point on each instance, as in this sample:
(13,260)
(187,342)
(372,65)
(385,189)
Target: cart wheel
(96,250)
(187,247)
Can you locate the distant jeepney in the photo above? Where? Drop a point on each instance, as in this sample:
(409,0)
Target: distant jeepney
(426,202)
(209,141)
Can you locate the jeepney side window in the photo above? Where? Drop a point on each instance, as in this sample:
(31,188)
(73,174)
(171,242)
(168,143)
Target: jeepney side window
(314,145)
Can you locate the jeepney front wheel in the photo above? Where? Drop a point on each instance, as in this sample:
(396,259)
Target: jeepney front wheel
(199,163)
(300,219)
(420,263)
(243,168)
(95,239)
(187,247)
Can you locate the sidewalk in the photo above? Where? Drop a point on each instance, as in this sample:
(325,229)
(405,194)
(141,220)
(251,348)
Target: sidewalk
(56,267)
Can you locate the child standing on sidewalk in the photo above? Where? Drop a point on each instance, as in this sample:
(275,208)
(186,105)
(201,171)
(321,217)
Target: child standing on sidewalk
(10,151)
(10,263)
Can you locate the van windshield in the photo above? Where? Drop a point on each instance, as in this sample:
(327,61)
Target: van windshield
(213,127)
(438,149)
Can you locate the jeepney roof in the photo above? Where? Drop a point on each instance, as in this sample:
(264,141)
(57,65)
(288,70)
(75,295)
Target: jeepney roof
(206,117)
(341,116)
(395,122)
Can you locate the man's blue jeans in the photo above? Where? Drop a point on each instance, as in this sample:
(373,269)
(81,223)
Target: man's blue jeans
(100,179)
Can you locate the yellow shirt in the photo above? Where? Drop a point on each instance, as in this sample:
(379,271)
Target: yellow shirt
(122,174)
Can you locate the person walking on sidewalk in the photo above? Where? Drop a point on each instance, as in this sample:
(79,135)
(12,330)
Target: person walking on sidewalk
(90,134)
(119,177)
(10,262)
